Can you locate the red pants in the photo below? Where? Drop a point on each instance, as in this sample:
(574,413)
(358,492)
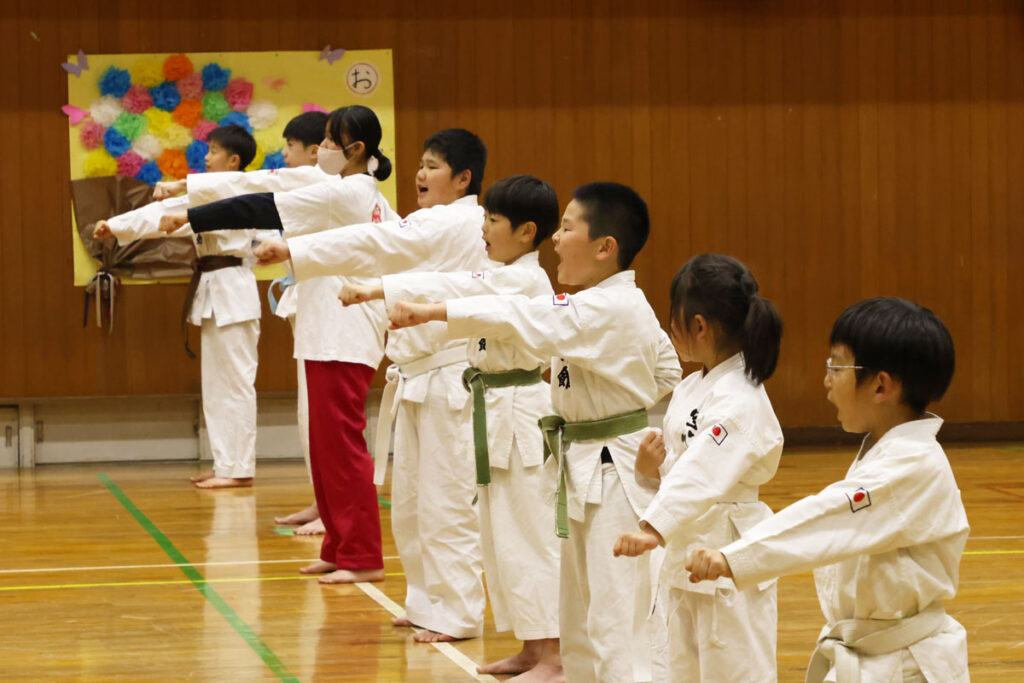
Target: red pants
(342,467)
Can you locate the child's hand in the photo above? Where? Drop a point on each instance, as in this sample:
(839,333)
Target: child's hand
(271,252)
(101,231)
(359,294)
(637,543)
(405,314)
(168,188)
(706,564)
(650,455)
(172,222)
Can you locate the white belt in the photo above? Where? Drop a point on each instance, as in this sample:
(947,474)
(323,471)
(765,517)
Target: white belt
(845,641)
(396,376)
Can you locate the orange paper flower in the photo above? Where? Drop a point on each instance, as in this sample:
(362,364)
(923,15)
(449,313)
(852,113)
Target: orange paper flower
(177,67)
(189,113)
(173,164)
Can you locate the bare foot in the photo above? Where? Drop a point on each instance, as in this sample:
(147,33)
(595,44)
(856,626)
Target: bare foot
(542,673)
(429,636)
(516,664)
(224,483)
(301,517)
(401,621)
(352,576)
(319,567)
(202,477)
(314,528)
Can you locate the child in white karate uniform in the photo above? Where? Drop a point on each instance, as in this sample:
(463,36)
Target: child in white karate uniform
(341,349)
(611,361)
(226,306)
(885,542)
(432,517)
(721,442)
(519,551)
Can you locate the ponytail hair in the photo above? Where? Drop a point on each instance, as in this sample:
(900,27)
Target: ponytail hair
(722,290)
(362,125)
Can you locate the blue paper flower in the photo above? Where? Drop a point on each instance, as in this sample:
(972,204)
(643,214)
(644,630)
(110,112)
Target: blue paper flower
(149,173)
(196,155)
(115,143)
(275,160)
(215,77)
(165,96)
(115,82)
(237,118)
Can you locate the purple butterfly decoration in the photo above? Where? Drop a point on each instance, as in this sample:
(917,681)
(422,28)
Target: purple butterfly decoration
(330,55)
(77,69)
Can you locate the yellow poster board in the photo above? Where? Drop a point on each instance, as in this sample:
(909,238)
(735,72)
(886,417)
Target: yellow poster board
(172,99)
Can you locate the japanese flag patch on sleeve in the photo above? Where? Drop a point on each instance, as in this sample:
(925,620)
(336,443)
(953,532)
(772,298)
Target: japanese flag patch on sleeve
(477,276)
(404,223)
(859,499)
(560,299)
(718,434)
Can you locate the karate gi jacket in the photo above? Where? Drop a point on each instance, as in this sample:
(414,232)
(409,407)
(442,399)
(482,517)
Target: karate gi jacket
(608,356)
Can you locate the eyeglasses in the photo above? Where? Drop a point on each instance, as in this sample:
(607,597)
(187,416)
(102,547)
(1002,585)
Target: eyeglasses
(831,370)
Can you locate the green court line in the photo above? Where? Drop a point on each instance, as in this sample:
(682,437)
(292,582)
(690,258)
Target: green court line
(197,580)
(384,501)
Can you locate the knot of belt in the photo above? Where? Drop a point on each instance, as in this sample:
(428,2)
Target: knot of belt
(558,433)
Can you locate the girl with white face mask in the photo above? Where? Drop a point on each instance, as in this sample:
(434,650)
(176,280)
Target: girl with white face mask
(340,347)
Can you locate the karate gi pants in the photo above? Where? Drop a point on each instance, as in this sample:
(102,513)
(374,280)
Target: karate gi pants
(228,367)
(604,600)
(436,529)
(520,548)
(342,467)
(729,636)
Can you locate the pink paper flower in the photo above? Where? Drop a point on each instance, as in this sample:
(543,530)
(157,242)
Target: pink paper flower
(136,100)
(191,86)
(91,135)
(238,93)
(129,164)
(203,129)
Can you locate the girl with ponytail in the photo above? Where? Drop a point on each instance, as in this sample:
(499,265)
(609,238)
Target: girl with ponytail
(721,442)
(338,349)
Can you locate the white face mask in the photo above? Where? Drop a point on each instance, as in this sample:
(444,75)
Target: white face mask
(331,161)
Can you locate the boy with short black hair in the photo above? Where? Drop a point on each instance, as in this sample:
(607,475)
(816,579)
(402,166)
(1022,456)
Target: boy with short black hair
(885,542)
(223,301)
(302,136)
(519,551)
(611,361)
(434,524)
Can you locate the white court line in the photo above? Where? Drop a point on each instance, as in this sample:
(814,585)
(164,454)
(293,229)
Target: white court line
(447,649)
(40,570)
(992,538)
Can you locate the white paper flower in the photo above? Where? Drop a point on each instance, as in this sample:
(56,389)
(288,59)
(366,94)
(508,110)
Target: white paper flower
(147,147)
(262,114)
(105,110)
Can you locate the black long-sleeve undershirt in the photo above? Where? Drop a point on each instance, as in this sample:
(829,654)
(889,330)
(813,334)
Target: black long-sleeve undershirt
(246,211)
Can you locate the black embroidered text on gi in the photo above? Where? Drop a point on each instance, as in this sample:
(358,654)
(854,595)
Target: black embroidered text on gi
(483,344)
(692,424)
(563,377)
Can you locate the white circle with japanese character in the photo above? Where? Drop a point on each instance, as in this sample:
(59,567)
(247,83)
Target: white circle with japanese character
(362,78)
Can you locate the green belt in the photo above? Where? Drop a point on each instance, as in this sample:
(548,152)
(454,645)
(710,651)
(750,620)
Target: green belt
(476,380)
(558,432)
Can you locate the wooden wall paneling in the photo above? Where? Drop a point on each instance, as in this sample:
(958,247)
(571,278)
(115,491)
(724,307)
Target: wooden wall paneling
(996,27)
(14,39)
(980,217)
(1014,142)
(842,150)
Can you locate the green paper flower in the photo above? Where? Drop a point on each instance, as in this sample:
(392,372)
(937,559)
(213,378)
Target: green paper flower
(215,107)
(130,125)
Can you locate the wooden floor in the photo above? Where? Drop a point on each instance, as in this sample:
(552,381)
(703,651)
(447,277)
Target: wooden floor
(125,572)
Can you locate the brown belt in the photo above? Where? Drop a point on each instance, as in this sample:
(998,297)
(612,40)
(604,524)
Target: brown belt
(203,264)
